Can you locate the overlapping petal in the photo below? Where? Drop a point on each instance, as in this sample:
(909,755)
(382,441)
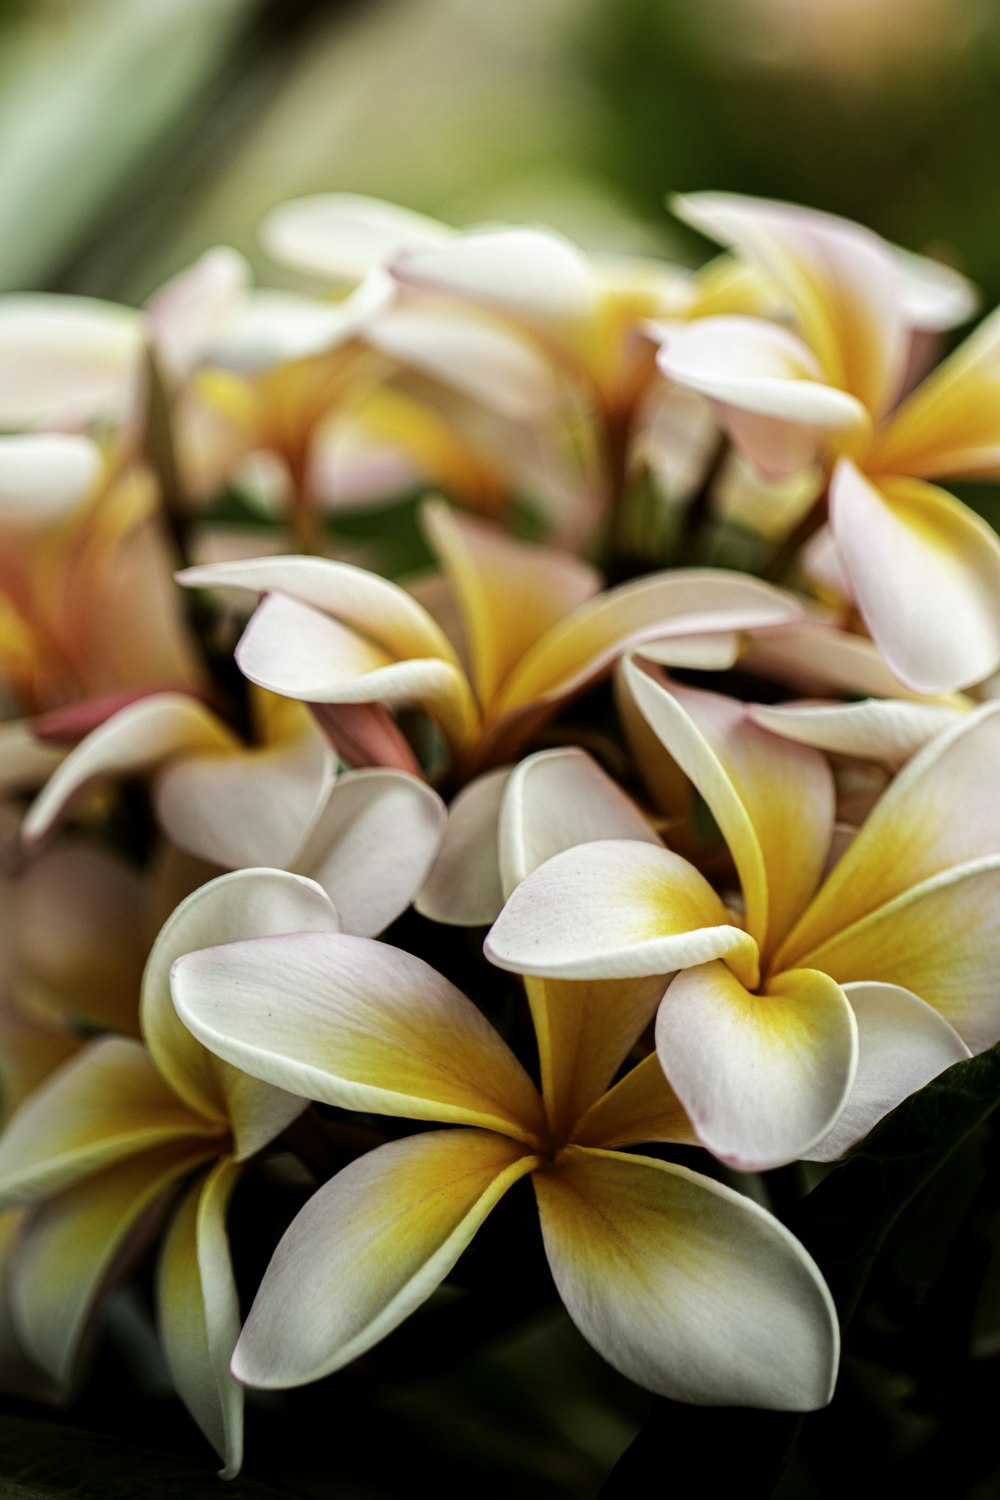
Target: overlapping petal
(685,1286)
(926,573)
(345,1020)
(762,1076)
(369,1248)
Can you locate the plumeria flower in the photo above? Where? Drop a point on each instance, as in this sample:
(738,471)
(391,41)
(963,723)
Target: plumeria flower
(684,1285)
(759,1031)
(86,602)
(924,569)
(368,837)
(524,631)
(124,1123)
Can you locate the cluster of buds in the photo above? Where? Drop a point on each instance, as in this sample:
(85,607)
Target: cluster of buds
(733,840)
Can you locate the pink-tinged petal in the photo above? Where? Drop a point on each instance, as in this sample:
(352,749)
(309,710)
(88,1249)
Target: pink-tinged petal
(372,846)
(353,1022)
(767,388)
(107,1103)
(186,315)
(843,282)
(641,1107)
(199,1312)
(585,1029)
(687,1287)
(78,920)
(137,739)
(248,903)
(926,573)
(773,800)
(763,1076)
(664,607)
(476,355)
(271,327)
(902,1044)
(949,425)
(72,1245)
(939,940)
(250,809)
(379,609)
(878,729)
(531,273)
(556,800)
(43,476)
(365,734)
(369,1248)
(65,358)
(295,650)
(615,910)
(510,594)
(940,811)
(463,888)
(343,235)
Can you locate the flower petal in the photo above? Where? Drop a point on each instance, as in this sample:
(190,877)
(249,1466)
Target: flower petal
(343,235)
(615,910)
(136,739)
(556,800)
(253,808)
(510,593)
(774,802)
(463,888)
(44,475)
(248,903)
(926,573)
(532,273)
(105,1104)
(68,1248)
(939,940)
(199,1312)
(767,389)
(688,1288)
(65,358)
(902,1044)
(642,1106)
(665,606)
(369,1248)
(843,282)
(372,846)
(349,1021)
(878,729)
(940,811)
(295,650)
(491,364)
(949,425)
(762,1076)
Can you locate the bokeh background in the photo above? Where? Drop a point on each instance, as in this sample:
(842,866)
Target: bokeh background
(134,134)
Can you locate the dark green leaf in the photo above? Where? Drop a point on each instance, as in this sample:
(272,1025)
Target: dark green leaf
(49,1461)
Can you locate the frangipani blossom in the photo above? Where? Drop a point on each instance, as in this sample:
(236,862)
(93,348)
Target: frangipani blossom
(682,1284)
(529,633)
(924,569)
(86,602)
(758,1033)
(108,1135)
(367,837)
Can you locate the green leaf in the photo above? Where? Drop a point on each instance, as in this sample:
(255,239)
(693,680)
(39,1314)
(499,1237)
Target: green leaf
(49,1461)
(843,1223)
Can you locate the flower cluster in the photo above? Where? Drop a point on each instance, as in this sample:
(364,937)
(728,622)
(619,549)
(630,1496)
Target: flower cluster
(731,833)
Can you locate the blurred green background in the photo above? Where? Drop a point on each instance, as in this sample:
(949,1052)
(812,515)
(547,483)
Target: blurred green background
(133,136)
